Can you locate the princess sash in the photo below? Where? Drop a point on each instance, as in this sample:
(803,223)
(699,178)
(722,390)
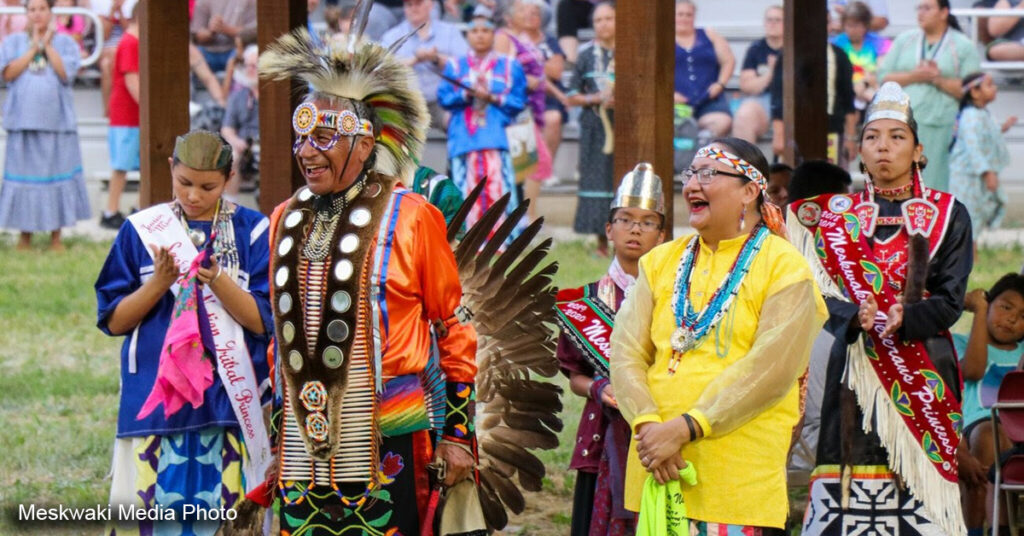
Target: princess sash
(159,226)
(588,323)
(917,418)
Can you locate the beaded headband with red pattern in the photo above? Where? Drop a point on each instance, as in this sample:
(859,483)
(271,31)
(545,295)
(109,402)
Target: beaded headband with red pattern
(735,162)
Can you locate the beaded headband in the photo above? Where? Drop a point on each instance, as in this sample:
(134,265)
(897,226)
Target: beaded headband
(308,118)
(735,162)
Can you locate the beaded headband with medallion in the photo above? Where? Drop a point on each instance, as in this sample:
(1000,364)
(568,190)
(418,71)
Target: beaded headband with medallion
(308,117)
(360,71)
(742,166)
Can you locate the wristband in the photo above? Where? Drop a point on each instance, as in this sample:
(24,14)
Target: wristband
(690,427)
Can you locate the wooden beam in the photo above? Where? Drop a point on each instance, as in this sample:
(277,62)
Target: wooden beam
(164,92)
(279,174)
(644,84)
(804,85)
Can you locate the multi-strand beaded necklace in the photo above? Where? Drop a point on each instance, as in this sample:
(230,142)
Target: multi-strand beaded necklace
(692,326)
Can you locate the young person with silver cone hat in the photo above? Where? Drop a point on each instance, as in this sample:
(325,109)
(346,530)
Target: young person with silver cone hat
(635,226)
(893,263)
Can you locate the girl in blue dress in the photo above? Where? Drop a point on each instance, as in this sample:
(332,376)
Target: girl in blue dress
(192,454)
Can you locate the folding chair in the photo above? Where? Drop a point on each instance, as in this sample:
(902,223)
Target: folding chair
(1008,413)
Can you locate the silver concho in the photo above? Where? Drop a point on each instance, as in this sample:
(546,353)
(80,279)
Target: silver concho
(341,301)
(285,246)
(683,340)
(337,330)
(288,332)
(333,357)
(349,243)
(295,360)
(284,303)
(281,277)
(343,270)
(293,219)
(305,193)
(359,217)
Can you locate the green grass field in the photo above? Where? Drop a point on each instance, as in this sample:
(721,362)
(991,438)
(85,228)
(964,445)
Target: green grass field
(59,382)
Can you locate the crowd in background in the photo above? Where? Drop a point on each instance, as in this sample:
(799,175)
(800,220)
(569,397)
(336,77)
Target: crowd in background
(565,49)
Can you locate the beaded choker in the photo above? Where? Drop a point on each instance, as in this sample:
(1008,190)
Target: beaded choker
(328,212)
(894,192)
(692,326)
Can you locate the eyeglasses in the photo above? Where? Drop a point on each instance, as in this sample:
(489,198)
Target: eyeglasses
(706,175)
(646,226)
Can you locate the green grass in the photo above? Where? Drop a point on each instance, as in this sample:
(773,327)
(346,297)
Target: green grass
(59,381)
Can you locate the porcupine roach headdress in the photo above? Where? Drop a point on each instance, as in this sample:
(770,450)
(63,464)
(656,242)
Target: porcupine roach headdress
(359,71)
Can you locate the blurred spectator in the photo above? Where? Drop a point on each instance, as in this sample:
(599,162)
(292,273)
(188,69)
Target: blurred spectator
(929,62)
(571,17)
(752,117)
(1009,33)
(241,127)
(593,88)
(427,51)
(879,14)
(484,92)
(73,26)
(863,48)
(43,189)
(12,24)
(386,14)
(311,7)
(704,64)
(123,134)
(216,24)
(202,71)
(779,175)
(529,22)
(510,40)
(979,154)
(112,14)
(339,21)
(842,115)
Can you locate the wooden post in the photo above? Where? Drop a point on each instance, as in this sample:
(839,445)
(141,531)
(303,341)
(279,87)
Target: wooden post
(164,92)
(279,174)
(644,84)
(804,82)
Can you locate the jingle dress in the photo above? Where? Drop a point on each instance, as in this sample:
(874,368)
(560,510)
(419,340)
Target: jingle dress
(602,436)
(43,187)
(362,383)
(477,144)
(595,69)
(877,501)
(195,455)
(739,383)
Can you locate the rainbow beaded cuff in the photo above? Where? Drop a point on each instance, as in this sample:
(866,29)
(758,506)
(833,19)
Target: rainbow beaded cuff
(459,411)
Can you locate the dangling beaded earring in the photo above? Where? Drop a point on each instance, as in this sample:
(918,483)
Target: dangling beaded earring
(743,216)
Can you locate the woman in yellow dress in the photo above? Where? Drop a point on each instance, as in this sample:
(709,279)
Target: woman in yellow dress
(709,345)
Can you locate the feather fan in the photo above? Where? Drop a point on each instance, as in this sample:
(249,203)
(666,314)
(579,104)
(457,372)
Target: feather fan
(512,303)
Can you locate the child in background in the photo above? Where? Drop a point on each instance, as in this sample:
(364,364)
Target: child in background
(635,226)
(978,154)
(123,134)
(779,175)
(990,351)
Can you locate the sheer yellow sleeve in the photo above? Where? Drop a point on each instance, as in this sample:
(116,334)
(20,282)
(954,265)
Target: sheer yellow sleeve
(790,320)
(633,354)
